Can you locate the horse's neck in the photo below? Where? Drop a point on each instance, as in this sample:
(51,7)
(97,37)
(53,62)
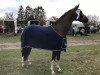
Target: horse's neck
(62,26)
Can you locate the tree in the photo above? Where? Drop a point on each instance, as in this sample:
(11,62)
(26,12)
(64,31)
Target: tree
(35,14)
(93,20)
(39,14)
(28,12)
(21,15)
(31,14)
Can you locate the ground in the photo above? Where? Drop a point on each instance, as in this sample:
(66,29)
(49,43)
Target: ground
(81,58)
(70,43)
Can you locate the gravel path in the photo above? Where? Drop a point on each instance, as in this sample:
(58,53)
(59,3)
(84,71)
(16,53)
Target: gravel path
(70,43)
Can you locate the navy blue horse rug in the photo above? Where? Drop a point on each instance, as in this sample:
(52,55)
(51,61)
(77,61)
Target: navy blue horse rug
(35,36)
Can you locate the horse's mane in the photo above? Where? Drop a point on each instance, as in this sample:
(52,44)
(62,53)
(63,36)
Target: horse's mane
(66,13)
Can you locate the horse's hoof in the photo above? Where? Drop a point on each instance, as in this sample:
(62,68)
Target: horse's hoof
(23,65)
(59,70)
(53,73)
(29,63)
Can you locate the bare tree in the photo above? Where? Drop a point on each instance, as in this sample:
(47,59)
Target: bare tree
(9,16)
(93,20)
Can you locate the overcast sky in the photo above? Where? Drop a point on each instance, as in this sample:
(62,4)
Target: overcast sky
(52,7)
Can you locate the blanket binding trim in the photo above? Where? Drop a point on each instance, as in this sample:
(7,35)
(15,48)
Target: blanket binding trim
(57,34)
(60,36)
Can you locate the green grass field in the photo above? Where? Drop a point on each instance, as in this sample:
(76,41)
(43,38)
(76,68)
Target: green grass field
(93,36)
(78,60)
(13,39)
(9,38)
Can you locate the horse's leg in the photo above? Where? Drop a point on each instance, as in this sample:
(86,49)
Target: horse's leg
(23,56)
(57,60)
(25,53)
(53,62)
(29,62)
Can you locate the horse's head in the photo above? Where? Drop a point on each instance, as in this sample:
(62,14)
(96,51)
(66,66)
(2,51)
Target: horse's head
(63,24)
(78,15)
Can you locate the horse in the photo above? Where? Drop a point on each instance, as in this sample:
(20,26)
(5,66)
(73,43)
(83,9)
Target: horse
(32,38)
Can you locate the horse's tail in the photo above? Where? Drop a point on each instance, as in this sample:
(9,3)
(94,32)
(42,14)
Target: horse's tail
(22,38)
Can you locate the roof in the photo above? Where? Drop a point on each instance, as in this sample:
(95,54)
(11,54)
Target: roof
(79,24)
(53,18)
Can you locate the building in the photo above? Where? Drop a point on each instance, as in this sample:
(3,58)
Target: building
(9,26)
(78,24)
(51,20)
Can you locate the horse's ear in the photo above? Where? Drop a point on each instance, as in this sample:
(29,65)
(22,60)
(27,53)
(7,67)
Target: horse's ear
(76,7)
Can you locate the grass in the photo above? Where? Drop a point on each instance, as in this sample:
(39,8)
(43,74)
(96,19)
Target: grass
(4,38)
(93,36)
(78,60)
(13,39)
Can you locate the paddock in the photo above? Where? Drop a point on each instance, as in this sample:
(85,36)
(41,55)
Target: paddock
(78,60)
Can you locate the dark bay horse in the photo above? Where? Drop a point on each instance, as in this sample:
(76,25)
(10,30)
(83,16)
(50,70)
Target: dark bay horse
(60,27)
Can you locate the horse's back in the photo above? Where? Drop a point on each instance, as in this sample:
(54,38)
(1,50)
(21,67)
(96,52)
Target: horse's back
(41,37)
(34,28)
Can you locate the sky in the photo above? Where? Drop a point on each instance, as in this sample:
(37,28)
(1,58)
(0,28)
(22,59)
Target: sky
(51,7)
